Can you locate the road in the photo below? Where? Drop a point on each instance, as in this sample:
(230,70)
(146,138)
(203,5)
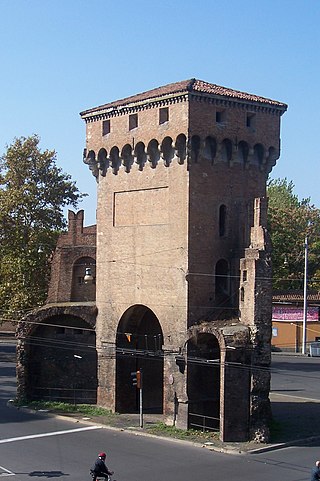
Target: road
(296,376)
(37,446)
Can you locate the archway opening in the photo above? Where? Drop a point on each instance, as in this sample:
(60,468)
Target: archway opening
(203,381)
(139,347)
(62,361)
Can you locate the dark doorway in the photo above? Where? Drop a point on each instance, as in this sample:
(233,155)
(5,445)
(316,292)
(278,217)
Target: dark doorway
(203,381)
(139,347)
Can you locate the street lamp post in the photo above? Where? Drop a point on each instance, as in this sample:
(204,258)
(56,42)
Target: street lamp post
(305,292)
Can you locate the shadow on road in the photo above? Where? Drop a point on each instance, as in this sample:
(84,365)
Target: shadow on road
(295,420)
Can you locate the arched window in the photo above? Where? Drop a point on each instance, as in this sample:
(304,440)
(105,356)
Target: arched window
(222,220)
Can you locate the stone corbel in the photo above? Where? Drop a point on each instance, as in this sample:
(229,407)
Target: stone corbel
(271,161)
(90,159)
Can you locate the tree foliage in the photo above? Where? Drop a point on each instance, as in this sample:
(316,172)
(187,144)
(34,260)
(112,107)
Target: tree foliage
(33,194)
(290,221)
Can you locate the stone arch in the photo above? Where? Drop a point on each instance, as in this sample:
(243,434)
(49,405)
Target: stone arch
(181,148)
(115,159)
(153,153)
(127,157)
(56,355)
(103,163)
(167,151)
(218,360)
(210,148)
(195,148)
(226,150)
(203,381)
(140,155)
(139,342)
(80,291)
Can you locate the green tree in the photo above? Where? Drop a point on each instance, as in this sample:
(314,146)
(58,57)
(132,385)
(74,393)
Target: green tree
(33,194)
(290,221)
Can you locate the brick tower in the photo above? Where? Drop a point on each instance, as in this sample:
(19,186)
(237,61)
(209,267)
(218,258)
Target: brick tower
(178,171)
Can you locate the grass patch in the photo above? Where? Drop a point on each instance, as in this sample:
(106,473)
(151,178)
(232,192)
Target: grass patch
(60,407)
(189,435)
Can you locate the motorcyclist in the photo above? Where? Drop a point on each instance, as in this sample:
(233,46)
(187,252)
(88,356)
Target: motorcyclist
(99,469)
(315,475)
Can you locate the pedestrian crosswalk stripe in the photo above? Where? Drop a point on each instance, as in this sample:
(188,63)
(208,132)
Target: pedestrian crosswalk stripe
(44,435)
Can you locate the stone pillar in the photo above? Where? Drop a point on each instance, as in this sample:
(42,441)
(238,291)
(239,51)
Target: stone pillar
(175,396)
(106,377)
(235,385)
(256,312)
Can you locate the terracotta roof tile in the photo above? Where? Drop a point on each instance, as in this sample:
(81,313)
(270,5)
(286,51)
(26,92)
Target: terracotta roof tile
(185,86)
(295,296)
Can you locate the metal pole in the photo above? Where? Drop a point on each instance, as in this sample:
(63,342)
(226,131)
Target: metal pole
(140,397)
(305,302)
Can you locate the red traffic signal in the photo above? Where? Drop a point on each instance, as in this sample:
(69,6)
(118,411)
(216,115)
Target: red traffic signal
(136,377)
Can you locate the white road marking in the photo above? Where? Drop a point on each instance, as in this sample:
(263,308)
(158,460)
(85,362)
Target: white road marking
(7,472)
(44,435)
(306,399)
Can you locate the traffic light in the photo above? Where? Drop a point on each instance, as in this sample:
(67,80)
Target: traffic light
(136,377)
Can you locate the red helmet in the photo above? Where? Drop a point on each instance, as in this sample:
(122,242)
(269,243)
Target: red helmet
(102,455)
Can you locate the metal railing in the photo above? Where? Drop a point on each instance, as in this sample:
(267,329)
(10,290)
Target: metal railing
(69,395)
(202,421)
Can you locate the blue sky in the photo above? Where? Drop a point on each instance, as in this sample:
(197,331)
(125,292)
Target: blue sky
(59,57)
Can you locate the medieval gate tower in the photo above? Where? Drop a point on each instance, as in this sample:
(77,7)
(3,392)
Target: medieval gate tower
(183,257)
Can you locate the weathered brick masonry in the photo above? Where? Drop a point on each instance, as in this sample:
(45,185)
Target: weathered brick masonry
(178,171)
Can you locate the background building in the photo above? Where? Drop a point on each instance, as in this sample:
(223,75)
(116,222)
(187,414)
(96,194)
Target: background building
(56,355)
(288,320)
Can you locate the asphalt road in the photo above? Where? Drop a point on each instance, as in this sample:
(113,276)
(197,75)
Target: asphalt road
(296,376)
(38,446)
